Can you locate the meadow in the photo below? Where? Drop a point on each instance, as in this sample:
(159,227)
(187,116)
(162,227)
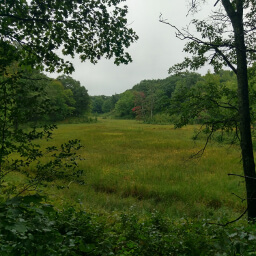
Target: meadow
(130,166)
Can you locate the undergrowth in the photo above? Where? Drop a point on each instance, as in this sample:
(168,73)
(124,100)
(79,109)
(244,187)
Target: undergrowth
(30,226)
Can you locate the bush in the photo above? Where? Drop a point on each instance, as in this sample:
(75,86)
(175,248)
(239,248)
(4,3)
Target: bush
(80,120)
(161,118)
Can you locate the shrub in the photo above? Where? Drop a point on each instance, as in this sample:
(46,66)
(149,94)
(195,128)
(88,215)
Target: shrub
(29,226)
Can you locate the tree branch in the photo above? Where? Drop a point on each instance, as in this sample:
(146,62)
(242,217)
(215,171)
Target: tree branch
(246,177)
(242,199)
(33,19)
(182,36)
(201,151)
(225,59)
(216,3)
(230,222)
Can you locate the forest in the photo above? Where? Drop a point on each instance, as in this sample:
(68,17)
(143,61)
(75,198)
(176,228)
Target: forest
(47,99)
(187,98)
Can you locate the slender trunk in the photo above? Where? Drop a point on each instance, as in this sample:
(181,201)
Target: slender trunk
(244,116)
(235,12)
(245,124)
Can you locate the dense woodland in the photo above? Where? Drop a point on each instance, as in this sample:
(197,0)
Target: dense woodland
(187,98)
(48,99)
(152,101)
(180,99)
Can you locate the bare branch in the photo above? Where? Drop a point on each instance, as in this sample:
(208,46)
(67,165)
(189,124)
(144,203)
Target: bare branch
(246,177)
(182,36)
(230,222)
(216,3)
(201,151)
(242,199)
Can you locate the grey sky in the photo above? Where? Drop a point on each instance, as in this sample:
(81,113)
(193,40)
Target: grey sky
(156,50)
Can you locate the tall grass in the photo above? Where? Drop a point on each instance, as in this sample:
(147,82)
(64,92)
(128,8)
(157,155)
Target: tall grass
(129,165)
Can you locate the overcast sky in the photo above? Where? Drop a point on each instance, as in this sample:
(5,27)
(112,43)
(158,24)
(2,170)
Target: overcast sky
(156,50)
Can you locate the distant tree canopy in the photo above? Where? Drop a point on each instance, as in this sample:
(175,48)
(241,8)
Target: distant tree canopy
(187,98)
(145,100)
(103,104)
(80,95)
(123,107)
(41,98)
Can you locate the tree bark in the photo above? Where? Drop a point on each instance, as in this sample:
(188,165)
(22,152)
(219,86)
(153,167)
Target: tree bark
(236,17)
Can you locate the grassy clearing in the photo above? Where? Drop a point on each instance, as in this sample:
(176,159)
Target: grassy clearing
(129,165)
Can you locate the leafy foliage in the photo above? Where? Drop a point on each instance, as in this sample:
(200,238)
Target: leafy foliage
(103,104)
(30,226)
(123,108)
(87,28)
(212,101)
(62,164)
(80,95)
(61,102)
(145,100)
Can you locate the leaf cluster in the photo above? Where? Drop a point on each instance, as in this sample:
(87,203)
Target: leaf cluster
(61,169)
(212,102)
(89,28)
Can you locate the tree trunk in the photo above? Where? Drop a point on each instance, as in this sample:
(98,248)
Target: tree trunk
(236,17)
(245,129)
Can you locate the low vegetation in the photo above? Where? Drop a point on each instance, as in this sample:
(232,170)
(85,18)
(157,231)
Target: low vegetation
(29,227)
(147,167)
(143,195)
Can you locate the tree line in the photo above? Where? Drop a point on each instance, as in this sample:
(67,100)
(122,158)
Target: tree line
(34,97)
(186,98)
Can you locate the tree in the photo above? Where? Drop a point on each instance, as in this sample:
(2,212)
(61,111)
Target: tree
(31,32)
(123,107)
(139,101)
(107,105)
(80,94)
(88,28)
(61,101)
(228,40)
(97,103)
(211,102)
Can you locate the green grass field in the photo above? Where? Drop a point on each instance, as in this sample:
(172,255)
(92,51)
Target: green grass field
(129,166)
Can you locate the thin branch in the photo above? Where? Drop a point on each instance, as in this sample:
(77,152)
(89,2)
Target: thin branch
(250,30)
(237,133)
(223,106)
(242,199)
(216,3)
(182,36)
(26,188)
(201,151)
(246,177)
(225,58)
(200,130)
(230,222)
